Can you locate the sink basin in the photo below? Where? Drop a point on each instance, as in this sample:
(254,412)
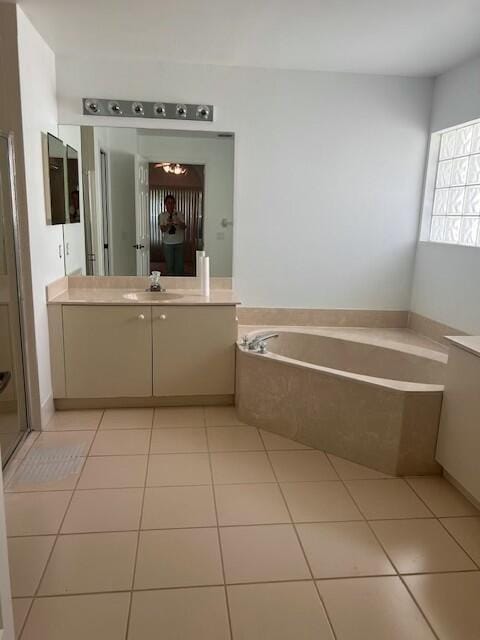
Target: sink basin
(151,296)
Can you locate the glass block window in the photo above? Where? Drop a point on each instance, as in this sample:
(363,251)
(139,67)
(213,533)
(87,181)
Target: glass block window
(456,202)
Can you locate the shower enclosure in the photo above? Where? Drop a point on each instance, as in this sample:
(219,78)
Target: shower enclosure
(13,412)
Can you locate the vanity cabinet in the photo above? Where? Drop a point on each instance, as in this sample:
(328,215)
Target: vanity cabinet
(193,350)
(140,351)
(108,351)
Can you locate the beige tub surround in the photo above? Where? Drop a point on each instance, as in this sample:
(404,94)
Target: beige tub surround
(374,404)
(118,346)
(431,329)
(322,317)
(459,435)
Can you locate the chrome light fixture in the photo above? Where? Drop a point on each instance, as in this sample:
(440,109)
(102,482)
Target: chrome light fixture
(159,110)
(181,110)
(203,111)
(143,109)
(137,109)
(114,108)
(91,106)
(172,167)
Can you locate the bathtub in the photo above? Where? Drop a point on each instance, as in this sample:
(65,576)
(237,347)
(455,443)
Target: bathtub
(356,394)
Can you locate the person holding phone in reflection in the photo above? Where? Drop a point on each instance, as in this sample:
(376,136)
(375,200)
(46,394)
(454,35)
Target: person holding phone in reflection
(172,226)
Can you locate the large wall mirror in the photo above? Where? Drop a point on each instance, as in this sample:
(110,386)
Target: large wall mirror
(148,200)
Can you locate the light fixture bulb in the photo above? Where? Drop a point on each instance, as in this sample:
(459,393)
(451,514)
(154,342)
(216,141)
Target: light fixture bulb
(181,110)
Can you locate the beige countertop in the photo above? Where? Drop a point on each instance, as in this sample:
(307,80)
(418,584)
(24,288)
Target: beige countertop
(467,343)
(120,296)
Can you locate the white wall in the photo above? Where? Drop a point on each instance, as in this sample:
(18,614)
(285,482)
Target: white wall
(74,234)
(339,228)
(446,280)
(217,156)
(39,114)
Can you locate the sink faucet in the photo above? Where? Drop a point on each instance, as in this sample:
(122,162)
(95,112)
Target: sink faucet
(155,282)
(258,342)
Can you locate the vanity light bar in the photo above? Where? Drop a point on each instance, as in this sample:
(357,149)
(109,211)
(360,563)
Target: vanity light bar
(138,109)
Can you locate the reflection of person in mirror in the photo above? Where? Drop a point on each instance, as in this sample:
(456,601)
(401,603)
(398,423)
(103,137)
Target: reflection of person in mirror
(172,225)
(74,209)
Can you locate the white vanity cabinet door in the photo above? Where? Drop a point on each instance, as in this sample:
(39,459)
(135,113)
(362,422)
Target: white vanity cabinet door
(108,351)
(194,350)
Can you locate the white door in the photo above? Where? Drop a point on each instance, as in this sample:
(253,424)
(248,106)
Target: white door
(142,245)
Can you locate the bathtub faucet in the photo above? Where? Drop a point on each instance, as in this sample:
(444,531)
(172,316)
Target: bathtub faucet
(258,342)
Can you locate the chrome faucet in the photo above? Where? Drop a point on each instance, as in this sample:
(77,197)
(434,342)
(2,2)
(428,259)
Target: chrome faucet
(155,282)
(258,343)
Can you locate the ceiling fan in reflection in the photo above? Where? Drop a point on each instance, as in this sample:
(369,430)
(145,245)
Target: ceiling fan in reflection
(172,167)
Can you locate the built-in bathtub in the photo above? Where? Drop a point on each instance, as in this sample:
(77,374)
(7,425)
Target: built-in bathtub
(363,397)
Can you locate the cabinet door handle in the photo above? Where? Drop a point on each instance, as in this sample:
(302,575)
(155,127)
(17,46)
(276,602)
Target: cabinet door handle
(141,316)
(163,316)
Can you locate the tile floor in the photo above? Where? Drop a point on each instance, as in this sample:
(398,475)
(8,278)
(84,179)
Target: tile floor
(185,524)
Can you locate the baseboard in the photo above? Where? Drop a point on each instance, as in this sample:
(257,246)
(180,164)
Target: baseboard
(322,317)
(431,328)
(63,404)
(462,489)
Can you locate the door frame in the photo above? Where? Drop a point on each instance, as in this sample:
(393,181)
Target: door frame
(25,299)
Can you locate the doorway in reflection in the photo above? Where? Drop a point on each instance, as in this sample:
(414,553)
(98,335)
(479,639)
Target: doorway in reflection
(176,194)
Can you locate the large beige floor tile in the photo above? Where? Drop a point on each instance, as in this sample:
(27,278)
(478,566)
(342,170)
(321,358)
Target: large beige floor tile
(373,609)
(348,470)
(178,558)
(222,417)
(178,469)
(451,603)
(93,617)
(59,445)
(90,562)
(172,507)
(20,611)
(239,439)
(278,611)
(319,502)
(239,504)
(241,467)
(88,419)
(262,554)
(343,549)
(186,440)
(96,510)
(466,532)
(110,472)
(384,499)
(127,419)
(274,442)
(27,559)
(179,614)
(298,466)
(30,514)
(121,442)
(442,498)
(421,546)
(62,475)
(179,417)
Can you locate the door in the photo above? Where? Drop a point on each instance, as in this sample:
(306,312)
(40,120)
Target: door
(105,211)
(108,351)
(142,244)
(193,350)
(13,413)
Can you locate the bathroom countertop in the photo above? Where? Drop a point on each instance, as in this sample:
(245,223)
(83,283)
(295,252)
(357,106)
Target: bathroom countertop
(467,343)
(118,296)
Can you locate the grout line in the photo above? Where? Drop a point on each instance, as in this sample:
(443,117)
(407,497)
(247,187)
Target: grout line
(327,615)
(225,590)
(397,573)
(127,626)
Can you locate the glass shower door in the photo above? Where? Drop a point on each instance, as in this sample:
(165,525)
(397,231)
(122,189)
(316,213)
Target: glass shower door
(13,414)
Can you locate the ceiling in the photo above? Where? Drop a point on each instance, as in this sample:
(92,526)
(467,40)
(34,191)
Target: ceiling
(399,37)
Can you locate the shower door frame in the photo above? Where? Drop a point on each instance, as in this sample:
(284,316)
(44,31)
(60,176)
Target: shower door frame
(23,401)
